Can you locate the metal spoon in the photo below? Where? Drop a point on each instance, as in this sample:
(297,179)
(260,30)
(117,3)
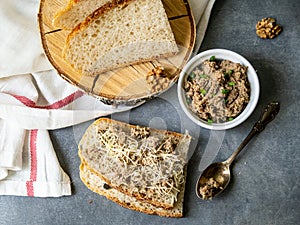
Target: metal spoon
(215,178)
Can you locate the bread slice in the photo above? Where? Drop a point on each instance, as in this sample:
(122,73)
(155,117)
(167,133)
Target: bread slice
(120,36)
(97,185)
(141,162)
(75,12)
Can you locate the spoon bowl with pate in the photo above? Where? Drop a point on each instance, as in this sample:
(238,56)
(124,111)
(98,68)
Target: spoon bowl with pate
(215,178)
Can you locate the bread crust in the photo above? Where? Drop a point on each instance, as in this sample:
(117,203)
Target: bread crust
(61,12)
(96,14)
(120,189)
(98,11)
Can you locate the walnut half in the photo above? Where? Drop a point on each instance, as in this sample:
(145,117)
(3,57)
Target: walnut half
(158,79)
(267,28)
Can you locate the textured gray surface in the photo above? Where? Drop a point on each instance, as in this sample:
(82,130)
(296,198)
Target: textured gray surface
(265,187)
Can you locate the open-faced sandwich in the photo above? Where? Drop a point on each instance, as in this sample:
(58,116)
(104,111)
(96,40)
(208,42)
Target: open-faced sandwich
(140,168)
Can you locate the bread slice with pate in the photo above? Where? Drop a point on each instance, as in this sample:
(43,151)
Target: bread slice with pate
(97,185)
(119,36)
(141,162)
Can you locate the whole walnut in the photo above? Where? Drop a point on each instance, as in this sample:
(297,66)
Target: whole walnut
(267,28)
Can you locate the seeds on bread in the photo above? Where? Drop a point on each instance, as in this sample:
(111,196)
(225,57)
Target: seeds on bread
(120,36)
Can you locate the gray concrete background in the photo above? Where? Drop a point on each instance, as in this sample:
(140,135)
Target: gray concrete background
(265,184)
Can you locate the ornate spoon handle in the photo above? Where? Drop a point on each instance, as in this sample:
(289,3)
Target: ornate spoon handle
(267,116)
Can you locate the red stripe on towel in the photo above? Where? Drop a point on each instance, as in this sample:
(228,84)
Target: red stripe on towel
(25,101)
(65,101)
(56,105)
(33,162)
(33,133)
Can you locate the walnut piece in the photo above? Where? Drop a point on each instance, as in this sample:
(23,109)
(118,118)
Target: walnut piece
(267,28)
(157,79)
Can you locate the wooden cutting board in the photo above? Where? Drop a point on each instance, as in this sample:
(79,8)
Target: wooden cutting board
(130,84)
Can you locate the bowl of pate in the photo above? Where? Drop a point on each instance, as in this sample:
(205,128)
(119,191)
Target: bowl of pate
(218,89)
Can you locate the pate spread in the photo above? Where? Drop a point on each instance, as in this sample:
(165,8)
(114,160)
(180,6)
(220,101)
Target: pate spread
(211,187)
(217,90)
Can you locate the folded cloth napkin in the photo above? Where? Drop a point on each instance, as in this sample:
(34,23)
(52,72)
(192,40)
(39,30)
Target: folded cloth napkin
(34,99)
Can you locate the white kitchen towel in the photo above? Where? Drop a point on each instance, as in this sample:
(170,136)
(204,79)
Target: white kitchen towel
(34,99)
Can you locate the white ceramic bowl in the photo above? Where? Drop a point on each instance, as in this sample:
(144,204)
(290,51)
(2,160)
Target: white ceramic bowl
(219,54)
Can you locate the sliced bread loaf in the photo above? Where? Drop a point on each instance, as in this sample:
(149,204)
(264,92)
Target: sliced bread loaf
(77,10)
(97,185)
(120,36)
(141,162)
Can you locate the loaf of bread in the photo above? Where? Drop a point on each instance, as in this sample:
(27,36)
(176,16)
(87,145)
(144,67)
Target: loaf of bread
(144,163)
(97,185)
(119,36)
(76,11)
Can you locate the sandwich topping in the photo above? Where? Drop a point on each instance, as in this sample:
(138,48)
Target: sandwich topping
(147,163)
